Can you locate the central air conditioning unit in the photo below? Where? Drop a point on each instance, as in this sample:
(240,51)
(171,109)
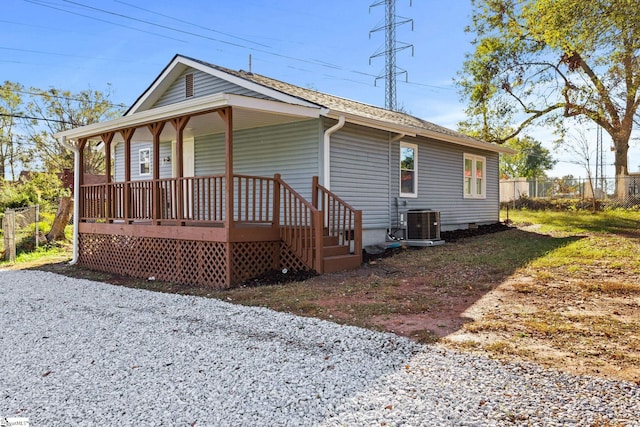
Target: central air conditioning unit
(423,227)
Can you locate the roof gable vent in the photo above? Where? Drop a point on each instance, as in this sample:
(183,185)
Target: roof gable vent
(188,85)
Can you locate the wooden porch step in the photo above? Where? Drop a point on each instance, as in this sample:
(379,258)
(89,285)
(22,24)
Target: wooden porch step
(330,240)
(341,263)
(335,250)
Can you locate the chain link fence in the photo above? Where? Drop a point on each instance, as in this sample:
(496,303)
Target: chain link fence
(16,229)
(621,192)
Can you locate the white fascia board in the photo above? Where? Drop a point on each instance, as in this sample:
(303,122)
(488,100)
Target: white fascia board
(160,84)
(191,106)
(481,145)
(179,65)
(275,107)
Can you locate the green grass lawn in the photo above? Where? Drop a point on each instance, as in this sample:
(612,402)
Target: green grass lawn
(576,222)
(45,254)
(609,238)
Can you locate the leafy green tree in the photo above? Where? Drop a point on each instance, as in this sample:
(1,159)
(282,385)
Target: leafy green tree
(543,61)
(54,111)
(12,148)
(532,160)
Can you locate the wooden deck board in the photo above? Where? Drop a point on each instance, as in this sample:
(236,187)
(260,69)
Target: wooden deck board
(213,232)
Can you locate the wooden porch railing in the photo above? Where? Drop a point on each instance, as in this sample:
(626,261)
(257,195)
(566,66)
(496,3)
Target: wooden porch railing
(300,225)
(257,200)
(190,200)
(342,221)
(253,199)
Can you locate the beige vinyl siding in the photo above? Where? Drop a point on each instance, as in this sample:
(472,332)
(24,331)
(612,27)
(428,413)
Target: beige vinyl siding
(203,84)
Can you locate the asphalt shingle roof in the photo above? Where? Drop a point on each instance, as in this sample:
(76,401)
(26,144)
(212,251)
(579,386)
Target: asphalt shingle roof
(344,105)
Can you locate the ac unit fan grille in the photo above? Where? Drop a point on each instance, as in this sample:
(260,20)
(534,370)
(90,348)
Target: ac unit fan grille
(423,225)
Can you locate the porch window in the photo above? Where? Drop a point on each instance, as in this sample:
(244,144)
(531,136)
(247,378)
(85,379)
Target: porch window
(408,170)
(144,156)
(474,177)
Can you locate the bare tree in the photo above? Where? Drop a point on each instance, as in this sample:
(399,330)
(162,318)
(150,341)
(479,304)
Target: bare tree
(582,153)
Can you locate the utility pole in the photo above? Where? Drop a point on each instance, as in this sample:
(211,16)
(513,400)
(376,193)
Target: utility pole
(598,142)
(602,177)
(391,71)
(600,160)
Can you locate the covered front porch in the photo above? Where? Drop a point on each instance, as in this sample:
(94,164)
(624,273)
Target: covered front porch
(209,230)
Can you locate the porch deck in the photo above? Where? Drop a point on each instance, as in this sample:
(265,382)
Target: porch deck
(190,230)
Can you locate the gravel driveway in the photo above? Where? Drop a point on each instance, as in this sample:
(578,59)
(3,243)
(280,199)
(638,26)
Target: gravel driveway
(77,352)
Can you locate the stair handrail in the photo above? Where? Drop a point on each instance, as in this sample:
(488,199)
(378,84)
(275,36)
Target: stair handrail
(341,218)
(300,224)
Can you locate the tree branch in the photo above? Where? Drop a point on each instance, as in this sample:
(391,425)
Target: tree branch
(536,115)
(602,90)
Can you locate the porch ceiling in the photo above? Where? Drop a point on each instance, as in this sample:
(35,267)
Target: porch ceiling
(210,123)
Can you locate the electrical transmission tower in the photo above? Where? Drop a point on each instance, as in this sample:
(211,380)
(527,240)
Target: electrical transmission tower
(391,71)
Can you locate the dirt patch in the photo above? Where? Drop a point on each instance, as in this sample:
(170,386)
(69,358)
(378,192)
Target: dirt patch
(561,324)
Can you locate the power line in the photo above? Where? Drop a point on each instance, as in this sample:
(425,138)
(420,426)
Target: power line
(43,94)
(166,27)
(45,53)
(309,61)
(316,62)
(37,3)
(173,18)
(19,116)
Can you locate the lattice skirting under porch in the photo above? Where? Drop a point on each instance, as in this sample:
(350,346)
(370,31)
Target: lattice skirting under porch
(200,263)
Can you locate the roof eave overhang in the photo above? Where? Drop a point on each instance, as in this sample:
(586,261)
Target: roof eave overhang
(180,63)
(191,107)
(413,131)
(481,145)
(372,123)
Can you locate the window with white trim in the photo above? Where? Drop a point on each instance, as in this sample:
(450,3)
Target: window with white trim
(408,170)
(475,172)
(144,159)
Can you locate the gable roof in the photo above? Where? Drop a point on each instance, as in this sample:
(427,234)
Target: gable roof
(331,106)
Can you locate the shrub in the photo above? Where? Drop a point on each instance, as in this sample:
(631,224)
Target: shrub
(41,188)
(558,205)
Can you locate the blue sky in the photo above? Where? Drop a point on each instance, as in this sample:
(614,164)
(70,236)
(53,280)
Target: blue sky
(324,45)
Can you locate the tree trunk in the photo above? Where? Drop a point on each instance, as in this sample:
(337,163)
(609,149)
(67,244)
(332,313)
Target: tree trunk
(65,211)
(622,171)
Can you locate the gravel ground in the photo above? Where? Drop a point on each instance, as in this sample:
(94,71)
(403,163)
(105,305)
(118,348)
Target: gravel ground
(76,352)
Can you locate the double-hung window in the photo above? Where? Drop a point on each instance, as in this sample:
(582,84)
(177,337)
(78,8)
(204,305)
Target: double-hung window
(144,159)
(408,170)
(475,177)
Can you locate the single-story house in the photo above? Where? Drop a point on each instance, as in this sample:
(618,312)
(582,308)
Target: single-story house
(214,176)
